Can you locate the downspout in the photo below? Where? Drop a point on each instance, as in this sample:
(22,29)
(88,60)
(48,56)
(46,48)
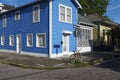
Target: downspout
(50,29)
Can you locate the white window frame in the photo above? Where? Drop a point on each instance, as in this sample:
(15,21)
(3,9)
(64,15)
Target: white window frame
(28,45)
(37,40)
(4,24)
(38,13)
(10,43)
(66,7)
(2,42)
(18,15)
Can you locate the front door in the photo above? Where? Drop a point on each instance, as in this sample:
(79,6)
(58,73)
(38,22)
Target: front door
(65,47)
(18,43)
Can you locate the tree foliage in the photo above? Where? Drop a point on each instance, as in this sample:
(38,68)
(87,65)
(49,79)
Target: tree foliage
(93,6)
(116,37)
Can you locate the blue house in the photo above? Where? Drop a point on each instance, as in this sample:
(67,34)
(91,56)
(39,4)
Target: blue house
(41,28)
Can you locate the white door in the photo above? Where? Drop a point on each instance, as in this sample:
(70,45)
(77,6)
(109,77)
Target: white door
(65,47)
(18,43)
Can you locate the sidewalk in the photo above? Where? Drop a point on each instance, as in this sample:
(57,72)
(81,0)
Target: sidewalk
(42,62)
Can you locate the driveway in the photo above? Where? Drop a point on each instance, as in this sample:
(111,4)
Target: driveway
(109,70)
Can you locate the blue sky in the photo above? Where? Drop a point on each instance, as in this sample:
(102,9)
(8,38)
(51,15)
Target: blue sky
(113,10)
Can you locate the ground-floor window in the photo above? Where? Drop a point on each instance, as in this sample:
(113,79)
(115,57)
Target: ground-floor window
(2,40)
(29,40)
(84,37)
(41,40)
(11,40)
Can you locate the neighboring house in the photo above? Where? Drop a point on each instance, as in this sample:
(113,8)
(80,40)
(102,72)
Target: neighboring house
(5,7)
(42,28)
(102,38)
(84,34)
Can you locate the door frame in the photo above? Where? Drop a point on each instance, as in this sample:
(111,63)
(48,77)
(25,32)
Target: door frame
(68,43)
(18,43)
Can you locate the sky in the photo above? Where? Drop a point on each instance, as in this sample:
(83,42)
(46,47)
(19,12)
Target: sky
(113,10)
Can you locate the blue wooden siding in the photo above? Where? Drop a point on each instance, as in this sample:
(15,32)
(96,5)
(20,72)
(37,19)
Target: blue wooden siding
(26,26)
(58,27)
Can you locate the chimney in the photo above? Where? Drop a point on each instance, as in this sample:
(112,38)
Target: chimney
(1,7)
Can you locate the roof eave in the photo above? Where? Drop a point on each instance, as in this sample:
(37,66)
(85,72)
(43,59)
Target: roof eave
(77,3)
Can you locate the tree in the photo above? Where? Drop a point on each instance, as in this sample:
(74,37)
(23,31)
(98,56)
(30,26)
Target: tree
(115,37)
(93,6)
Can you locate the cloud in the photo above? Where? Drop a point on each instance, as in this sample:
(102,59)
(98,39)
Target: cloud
(113,7)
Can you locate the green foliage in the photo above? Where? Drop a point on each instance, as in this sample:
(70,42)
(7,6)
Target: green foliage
(115,34)
(93,6)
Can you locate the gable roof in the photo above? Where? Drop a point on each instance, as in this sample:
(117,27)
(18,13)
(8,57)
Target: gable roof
(34,2)
(83,20)
(8,7)
(98,18)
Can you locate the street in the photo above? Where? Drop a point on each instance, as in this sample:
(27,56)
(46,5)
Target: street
(109,70)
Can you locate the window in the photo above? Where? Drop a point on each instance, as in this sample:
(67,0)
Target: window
(29,40)
(65,14)
(40,40)
(11,40)
(62,13)
(2,40)
(36,13)
(84,37)
(4,21)
(69,15)
(17,15)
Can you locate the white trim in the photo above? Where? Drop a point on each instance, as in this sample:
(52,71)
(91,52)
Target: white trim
(50,28)
(4,25)
(34,54)
(37,40)
(25,53)
(67,32)
(27,40)
(38,13)
(78,4)
(18,15)
(10,40)
(66,7)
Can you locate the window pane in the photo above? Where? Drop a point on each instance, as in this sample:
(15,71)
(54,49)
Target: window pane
(68,15)
(41,40)
(17,15)
(36,13)
(4,21)
(29,40)
(62,13)
(2,40)
(11,40)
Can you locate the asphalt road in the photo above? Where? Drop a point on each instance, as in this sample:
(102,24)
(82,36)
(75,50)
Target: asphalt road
(109,70)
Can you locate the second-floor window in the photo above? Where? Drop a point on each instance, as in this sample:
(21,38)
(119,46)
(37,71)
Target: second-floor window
(36,13)
(65,13)
(17,15)
(4,21)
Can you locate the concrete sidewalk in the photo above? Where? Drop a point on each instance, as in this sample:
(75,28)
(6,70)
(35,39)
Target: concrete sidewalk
(42,62)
